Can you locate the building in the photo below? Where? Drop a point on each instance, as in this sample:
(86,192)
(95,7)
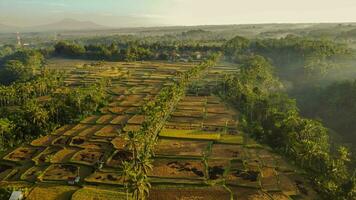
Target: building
(197,55)
(16,195)
(73,180)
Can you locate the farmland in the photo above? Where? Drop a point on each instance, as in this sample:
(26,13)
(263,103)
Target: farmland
(200,152)
(136,100)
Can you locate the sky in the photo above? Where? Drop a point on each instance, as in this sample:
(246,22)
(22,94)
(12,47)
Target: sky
(125,13)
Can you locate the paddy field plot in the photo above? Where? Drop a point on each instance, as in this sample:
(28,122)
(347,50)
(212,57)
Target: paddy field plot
(200,152)
(52,192)
(97,193)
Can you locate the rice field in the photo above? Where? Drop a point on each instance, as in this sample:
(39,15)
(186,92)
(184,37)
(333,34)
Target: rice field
(96,193)
(200,153)
(189,134)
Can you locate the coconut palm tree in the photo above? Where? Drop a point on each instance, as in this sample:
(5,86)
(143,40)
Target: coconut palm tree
(5,128)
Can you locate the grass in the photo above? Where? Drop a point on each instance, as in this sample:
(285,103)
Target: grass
(21,154)
(62,129)
(190,134)
(63,155)
(206,193)
(32,173)
(118,142)
(108,131)
(130,127)
(176,181)
(119,119)
(181,151)
(87,156)
(231,139)
(136,119)
(88,132)
(177,168)
(45,155)
(5,170)
(52,192)
(90,120)
(105,119)
(100,177)
(58,172)
(95,193)
(43,141)
(181,147)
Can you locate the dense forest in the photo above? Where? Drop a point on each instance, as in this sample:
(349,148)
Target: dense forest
(335,105)
(134,51)
(34,101)
(274,118)
(310,71)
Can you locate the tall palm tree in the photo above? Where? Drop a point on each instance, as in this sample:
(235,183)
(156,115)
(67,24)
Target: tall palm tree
(5,128)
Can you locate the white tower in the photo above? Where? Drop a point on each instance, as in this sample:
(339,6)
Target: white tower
(18,39)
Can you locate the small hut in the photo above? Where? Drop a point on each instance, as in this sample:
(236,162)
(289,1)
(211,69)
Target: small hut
(16,195)
(73,180)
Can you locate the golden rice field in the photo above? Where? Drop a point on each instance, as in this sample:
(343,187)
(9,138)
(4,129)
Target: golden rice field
(200,153)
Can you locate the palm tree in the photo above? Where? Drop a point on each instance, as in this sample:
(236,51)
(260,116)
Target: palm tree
(5,128)
(144,156)
(135,181)
(126,174)
(131,143)
(142,187)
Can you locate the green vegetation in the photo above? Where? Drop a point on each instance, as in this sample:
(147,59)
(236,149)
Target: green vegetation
(42,85)
(50,191)
(35,102)
(191,134)
(294,57)
(5,193)
(115,113)
(335,105)
(141,143)
(130,51)
(231,139)
(271,117)
(34,118)
(99,194)
(20,66)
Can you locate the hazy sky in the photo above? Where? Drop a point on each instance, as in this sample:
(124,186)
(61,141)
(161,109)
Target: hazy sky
(175,12)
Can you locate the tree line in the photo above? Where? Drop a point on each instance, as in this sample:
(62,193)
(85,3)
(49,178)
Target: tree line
(20,66)
(36,117)
(141,143)
(44,84)
(271,117)
(335,105)
(132,51)
(294,57)
(36,102)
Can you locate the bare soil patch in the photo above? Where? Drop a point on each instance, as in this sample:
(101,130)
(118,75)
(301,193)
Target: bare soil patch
(88,156)
(180,147)
(184,193)
(178,169)
(22,154)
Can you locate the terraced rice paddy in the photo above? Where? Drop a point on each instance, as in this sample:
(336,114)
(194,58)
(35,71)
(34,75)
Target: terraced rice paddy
(200,153)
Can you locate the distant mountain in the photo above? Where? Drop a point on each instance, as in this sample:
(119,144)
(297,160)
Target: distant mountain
(6,28)
(67,25)
(63,25)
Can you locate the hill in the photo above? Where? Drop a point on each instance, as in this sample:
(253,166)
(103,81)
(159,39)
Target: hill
(68,24)
(63,25)
(6,28)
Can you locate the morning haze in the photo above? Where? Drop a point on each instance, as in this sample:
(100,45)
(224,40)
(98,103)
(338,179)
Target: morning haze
(178,99)
(129,13)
